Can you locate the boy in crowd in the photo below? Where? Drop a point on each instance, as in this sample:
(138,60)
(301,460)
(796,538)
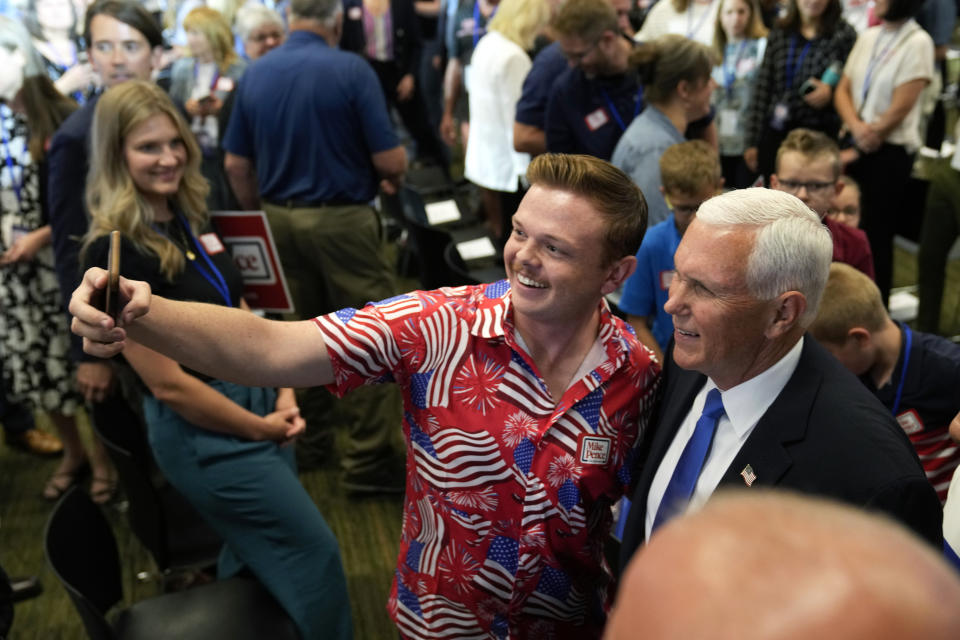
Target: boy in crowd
(845,207)
(916,375)
(808,166)
(690,174)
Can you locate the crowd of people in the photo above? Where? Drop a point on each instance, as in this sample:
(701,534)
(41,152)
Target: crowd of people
(613,145)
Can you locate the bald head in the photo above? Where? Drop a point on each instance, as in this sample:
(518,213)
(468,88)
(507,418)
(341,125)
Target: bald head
(783,567)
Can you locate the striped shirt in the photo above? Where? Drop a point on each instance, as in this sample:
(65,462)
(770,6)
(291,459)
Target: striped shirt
(508,493)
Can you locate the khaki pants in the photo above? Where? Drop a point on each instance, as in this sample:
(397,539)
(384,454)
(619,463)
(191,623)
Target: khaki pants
(334,257)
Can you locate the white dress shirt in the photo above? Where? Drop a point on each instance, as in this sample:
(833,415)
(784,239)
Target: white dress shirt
(743,406)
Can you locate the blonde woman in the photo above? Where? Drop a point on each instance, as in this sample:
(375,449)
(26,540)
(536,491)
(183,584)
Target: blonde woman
(500,63)
(218,443)
(200,83)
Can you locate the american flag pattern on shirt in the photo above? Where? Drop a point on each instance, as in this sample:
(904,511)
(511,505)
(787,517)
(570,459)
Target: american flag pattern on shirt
(503,526)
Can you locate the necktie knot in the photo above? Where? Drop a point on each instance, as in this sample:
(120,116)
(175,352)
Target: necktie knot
(713,407)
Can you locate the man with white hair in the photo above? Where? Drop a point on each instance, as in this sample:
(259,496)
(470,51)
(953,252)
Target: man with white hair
(807,568)
(777,409)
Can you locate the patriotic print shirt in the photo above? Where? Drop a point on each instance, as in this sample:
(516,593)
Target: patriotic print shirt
(508,493)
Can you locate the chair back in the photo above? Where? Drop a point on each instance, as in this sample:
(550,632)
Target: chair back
(161,518)
(82,553)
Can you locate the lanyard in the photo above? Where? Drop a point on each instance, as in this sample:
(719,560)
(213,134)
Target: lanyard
(17,185)
(730,73)
(213,276)
(792,69)
(616,114)
(476,21)
(903,369)
(875,59)
(691,28)
(216,75)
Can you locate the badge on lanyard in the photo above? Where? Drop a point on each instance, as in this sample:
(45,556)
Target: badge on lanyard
(729,122)
(594,450)
(211,243)
(781,113)
(596,119)
(910,422)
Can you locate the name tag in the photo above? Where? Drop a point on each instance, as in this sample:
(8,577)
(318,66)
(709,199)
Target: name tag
(596,119)
(211,243)
(355,13)
(910,422)
(666,277)
(595,450)
(225,84)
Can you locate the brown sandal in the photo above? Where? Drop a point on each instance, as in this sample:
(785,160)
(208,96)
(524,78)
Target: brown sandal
(107,491)
(60,481)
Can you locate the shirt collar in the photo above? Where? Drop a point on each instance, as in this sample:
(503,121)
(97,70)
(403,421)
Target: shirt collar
(302,36)
(746,403)
(494,319)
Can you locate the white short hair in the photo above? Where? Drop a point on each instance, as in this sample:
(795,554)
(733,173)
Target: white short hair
(251,16)
(792,250)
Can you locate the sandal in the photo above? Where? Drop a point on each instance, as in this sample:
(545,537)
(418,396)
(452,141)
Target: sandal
(61,481)
(107,491)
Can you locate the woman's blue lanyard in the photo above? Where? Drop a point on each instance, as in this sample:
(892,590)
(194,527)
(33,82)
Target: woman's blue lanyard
(875,59)
(616,114)
(17,185)
(213,276)
(691,28)
(791,68)
(476,22)
(730,72)
(903,369)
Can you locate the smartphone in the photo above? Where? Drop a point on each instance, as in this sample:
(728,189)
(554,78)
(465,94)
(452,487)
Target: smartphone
(111,305)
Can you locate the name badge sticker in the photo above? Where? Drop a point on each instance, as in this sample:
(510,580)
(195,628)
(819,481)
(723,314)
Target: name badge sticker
(666,277)
(355,13)
(594,450)
(596,119)
(910,422)
(225,84)
(211,243)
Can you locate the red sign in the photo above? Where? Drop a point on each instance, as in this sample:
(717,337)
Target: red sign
(247,235)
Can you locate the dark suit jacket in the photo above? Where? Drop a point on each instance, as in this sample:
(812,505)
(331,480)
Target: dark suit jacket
(825,434)
(406,33)
(67,162)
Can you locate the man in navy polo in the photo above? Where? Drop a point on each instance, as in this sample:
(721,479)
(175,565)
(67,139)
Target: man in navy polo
(309,141)
(597,98)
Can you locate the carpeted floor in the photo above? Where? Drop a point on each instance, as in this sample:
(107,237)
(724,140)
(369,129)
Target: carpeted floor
(368,530)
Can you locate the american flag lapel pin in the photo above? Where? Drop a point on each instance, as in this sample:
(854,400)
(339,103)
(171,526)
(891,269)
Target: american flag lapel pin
(748,475)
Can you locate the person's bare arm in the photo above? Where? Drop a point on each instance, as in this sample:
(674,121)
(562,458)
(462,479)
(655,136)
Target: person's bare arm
(644,335)
(428,8)
(452,81)
(230,344)
(201,405)
(902,101)
(242,176)
(391,165)
(529,139)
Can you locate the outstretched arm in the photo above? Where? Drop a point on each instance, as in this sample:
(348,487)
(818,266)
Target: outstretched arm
(230,344)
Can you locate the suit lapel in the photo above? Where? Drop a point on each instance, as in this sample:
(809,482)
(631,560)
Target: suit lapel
(784,423)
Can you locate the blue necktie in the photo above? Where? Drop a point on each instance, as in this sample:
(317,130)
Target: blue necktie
(687,471)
